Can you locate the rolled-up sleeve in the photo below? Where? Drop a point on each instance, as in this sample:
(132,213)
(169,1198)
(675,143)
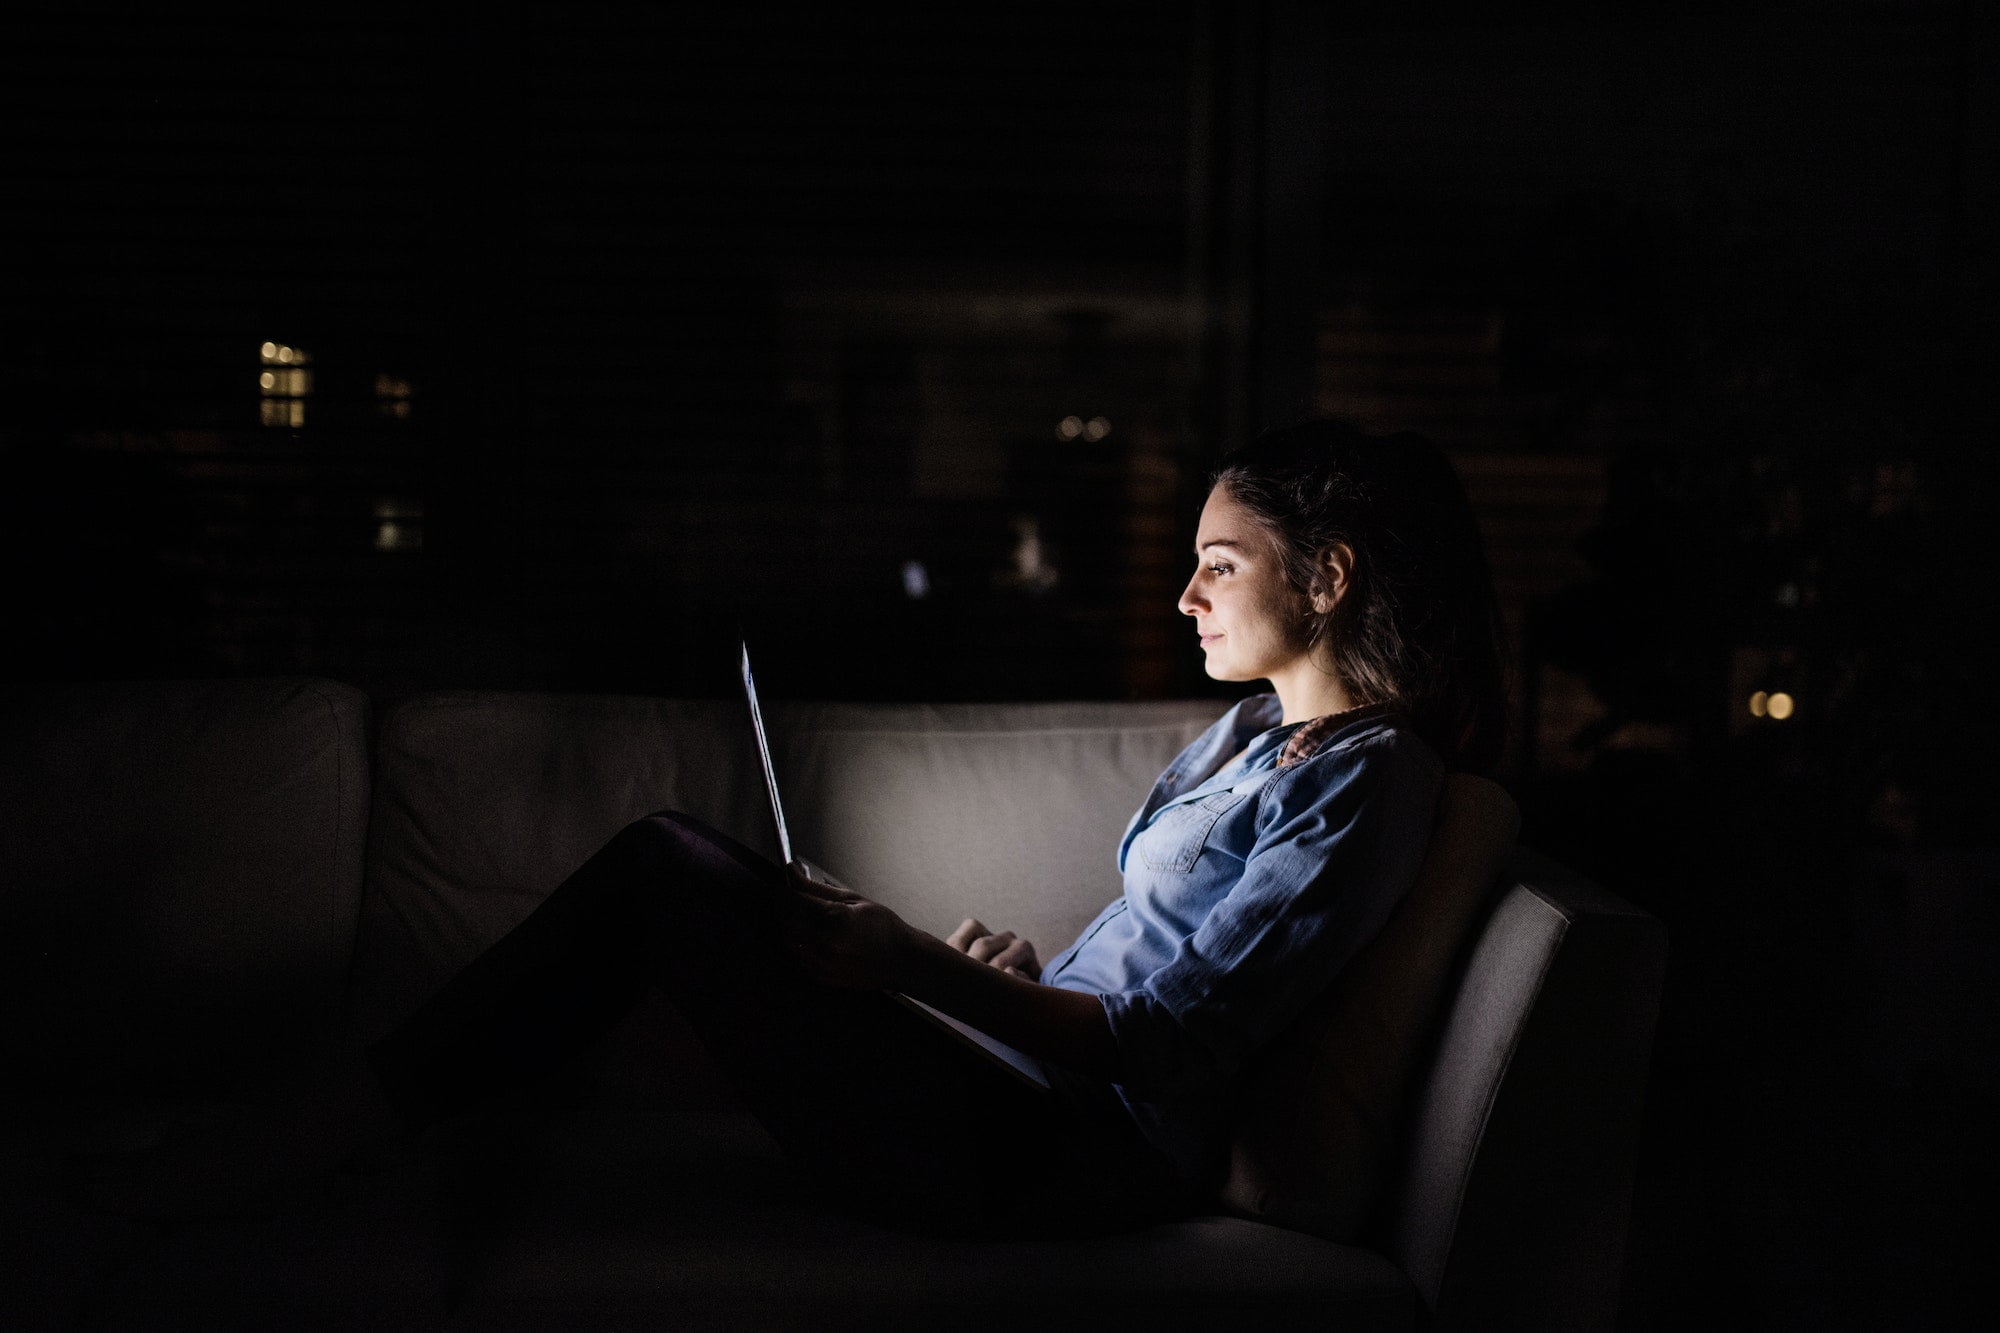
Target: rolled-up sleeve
(1335,843)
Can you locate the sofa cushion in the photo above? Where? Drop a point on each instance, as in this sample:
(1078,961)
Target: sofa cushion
(1008,813)
(692,1222)
(183,870)
(486,801)
(1318,1130)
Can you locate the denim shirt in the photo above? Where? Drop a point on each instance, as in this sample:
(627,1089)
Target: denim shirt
(1248,887)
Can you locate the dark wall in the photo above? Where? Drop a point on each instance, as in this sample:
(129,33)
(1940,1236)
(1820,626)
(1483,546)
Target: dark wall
(706,315)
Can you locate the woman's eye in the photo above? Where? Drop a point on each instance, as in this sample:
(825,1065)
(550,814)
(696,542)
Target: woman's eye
(1221,569)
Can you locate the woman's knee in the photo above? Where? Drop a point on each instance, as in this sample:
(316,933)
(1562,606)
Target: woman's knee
(663,829)
(671,841)
(668,826)
(673,828)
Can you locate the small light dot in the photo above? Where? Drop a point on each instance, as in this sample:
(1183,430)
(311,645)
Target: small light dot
(1758,703)
(1096,428)
(1781,706)
(1070,427)
(270,351)
(267,380)
(284,356)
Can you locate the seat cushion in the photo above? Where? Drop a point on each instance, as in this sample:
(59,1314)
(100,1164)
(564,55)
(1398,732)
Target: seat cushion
(183,873)
(1317,1135)
(691,1222)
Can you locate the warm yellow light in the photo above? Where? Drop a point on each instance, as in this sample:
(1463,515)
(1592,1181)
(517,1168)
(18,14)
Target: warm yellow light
(1096,428)
(399,525)
(1758,702)
(284,356)
(267,380)
(1070,427)
(1781,706)
(270,351)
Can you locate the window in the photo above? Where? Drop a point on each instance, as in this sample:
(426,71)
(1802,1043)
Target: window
(399,524)
(283,385)
(392,397)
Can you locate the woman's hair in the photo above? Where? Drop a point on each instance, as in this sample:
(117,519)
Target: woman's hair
(1417,627)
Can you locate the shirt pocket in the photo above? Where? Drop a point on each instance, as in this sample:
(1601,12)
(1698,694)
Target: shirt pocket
(1174,840)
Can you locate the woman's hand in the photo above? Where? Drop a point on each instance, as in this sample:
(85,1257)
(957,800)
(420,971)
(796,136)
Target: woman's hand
(1005,951)
(841,938)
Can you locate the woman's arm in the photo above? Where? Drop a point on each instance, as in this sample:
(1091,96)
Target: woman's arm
(1064,1027)
(844,939)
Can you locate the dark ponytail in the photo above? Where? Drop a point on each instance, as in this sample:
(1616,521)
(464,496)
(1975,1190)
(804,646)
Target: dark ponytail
(1418,627)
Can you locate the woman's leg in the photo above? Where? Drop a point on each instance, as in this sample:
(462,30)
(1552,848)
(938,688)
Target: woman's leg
(876,1102)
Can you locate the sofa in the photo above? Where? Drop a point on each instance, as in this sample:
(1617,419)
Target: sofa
(204,879)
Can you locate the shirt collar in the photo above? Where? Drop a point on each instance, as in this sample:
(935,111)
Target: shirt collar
(1309,736)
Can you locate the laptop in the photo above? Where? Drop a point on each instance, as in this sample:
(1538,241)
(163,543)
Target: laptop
(1021,1066)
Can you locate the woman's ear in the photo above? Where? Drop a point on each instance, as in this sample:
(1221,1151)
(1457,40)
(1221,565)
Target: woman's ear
(1336,570)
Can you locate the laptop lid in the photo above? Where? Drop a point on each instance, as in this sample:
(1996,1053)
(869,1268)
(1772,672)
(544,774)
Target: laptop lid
(764,755)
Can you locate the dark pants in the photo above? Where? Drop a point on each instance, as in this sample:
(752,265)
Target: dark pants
(872,1101)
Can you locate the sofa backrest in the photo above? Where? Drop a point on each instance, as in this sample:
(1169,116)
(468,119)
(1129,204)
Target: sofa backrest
(1512,1207)
(180,873)
(1007,812)
(486,801)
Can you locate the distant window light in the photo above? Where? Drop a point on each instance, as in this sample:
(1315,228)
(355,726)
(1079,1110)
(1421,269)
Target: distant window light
(1073,427)
(283,385)
(1777,706)
(392,397)
(916,580)
(399,525)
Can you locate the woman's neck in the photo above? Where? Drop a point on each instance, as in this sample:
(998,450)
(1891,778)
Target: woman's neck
(1307,690)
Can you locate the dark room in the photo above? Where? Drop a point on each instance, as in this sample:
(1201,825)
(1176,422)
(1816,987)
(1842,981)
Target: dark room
(1547,445)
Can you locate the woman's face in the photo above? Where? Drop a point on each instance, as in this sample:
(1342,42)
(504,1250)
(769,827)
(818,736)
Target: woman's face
(1253,624)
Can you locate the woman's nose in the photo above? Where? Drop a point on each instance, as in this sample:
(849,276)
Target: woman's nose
(1192,603)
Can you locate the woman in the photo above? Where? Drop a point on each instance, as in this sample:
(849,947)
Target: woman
(1344,569)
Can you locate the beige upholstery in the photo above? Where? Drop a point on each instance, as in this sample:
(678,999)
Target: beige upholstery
(1322,1115)
(485,802)
(1007,812)
(1511,1206)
